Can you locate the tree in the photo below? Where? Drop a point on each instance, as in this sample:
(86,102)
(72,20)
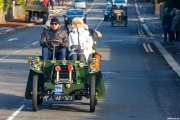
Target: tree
(171,3)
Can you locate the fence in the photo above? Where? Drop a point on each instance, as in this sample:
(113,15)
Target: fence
(8,15)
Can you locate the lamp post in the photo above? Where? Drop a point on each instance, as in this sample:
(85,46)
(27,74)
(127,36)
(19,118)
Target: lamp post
(13,8)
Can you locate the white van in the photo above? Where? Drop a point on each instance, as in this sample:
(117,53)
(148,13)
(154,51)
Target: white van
(80,4)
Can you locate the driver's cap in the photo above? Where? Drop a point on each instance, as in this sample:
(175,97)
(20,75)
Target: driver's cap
(55,20)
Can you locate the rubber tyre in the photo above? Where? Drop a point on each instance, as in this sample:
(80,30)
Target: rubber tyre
(96,101)
(35,93)
(27,19)
(93,94)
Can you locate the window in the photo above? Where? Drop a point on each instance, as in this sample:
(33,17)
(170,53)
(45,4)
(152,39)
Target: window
(119,1)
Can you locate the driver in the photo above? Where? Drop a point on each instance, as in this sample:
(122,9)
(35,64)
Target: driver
(113,16)
(54,33)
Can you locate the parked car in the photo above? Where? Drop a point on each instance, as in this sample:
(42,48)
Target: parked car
(80,4)
(72,13)
(107,13)
(120,2)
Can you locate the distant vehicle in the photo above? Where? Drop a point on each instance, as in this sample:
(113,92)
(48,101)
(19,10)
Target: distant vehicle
(120,2)
(72,13)
(107,13)
(36,10)
(80,4)
(109,2)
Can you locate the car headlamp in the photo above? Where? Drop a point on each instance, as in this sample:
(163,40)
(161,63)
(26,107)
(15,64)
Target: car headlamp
(106,13)
(81,65)
(37,62)
(66,18)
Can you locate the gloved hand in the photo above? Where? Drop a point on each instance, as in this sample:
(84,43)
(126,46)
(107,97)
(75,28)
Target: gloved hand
(75,46)
(43,43)
(78,50)
(63,45)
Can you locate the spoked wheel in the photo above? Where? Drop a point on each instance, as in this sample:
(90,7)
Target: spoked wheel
(35,93)
(93,94)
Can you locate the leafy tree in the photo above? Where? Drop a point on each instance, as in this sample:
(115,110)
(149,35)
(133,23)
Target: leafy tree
(171,3)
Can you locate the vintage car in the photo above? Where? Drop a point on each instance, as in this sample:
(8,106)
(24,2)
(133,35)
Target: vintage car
(64,80)
(119,17)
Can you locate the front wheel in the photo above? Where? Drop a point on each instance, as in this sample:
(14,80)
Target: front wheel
(35,93)
(93,94)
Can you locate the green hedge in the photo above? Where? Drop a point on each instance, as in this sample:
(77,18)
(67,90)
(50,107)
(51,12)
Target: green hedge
(7,4)
(171,3)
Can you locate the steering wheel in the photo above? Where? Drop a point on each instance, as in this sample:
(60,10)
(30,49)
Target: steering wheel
(51,44)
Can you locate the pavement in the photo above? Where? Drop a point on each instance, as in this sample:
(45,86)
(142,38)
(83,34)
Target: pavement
(19,22)
(150,22)
(153,27)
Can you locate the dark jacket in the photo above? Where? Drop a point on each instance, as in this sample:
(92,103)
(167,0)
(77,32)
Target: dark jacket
(167,19)
(59,34)
(176,23)
(94,37)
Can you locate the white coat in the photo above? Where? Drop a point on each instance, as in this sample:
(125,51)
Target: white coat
(85,41)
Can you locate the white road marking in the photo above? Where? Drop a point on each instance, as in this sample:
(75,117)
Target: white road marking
(99,24)
(13,39)
(151,50)
(16,51)
(4,57)
(145,47)
(147,30)
(27,46)
(16,112)
(91,6)
(35,43)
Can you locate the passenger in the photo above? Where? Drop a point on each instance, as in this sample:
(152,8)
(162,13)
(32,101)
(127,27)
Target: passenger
(95,36)
(80,41)
(176,25)
(68,25)
(47,25)
(124,13)
(54,33)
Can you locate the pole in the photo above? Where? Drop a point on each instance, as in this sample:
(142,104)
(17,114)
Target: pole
(13,8)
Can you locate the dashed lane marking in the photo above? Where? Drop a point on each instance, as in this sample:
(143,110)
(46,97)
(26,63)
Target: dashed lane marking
(16,112)
(13,39)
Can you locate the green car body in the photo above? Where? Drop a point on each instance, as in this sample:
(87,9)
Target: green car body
(80,84)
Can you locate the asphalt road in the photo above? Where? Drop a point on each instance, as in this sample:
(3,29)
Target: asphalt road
(138,83)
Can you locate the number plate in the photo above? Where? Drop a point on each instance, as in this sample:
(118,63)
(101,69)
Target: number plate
(67,98)
(58,90)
